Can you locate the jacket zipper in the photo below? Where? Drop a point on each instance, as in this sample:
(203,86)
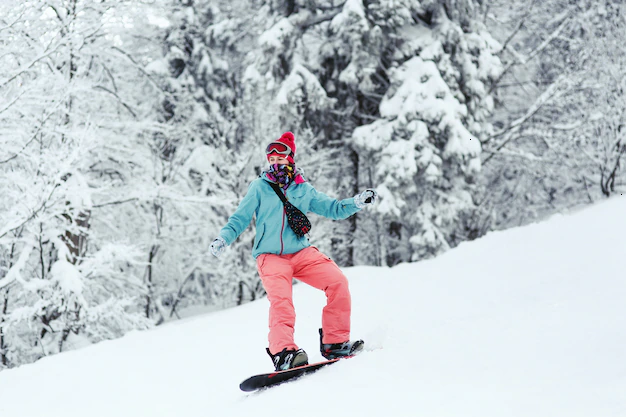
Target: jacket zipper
(282,229)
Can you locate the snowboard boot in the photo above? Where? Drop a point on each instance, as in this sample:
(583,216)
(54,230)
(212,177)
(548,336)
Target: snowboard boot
(339,350)
(287,359)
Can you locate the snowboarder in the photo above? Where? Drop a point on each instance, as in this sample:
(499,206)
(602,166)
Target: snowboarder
(283,254)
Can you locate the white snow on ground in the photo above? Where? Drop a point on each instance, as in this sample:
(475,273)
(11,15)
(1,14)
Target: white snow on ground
(525,322)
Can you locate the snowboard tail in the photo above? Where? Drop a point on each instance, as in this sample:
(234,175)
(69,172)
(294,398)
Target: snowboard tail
(278,377)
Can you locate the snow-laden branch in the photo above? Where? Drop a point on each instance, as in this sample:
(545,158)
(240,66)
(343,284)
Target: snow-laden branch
(14,272)
(509,131)
(164,194)
(519,60)
(12,102)
(537,105)
(188,274)
(139,67)
(10,25)
(19,223)
(119,100)
(569,126)
(332,7)
(29,66)
(32,139)
(319,19)
(517,154)
(516,30)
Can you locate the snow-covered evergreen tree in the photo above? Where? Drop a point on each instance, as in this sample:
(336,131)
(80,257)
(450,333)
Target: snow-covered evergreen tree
(400,92)
(221,163)
(424,152)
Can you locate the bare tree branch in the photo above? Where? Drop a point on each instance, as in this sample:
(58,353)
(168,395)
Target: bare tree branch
(119,100)
(113,203)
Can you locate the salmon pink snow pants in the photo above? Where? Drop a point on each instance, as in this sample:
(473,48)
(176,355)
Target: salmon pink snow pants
(313,268)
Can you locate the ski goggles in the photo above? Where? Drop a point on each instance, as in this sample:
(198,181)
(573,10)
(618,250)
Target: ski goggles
(279,148)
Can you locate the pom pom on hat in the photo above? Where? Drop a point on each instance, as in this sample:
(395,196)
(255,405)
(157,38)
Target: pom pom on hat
(290,140)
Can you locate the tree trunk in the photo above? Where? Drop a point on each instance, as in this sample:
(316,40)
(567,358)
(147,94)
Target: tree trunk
(3,346)
(153,252)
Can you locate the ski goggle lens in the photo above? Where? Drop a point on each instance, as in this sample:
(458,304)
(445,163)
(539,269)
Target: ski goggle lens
(279,148)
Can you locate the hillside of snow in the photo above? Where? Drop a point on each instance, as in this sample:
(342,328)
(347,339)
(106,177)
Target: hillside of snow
(525,322)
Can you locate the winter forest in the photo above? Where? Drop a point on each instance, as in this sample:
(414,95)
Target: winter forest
(130,130)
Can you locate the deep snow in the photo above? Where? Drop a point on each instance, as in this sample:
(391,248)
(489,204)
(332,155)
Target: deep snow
(525,322)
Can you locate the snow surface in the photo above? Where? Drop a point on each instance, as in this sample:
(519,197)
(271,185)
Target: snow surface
(525,322)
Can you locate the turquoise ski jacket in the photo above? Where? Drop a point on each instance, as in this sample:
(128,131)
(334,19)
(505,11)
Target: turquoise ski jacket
(273,234)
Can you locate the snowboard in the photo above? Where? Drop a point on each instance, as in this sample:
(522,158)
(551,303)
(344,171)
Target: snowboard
(278,377)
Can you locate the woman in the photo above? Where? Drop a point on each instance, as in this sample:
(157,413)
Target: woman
(282,255)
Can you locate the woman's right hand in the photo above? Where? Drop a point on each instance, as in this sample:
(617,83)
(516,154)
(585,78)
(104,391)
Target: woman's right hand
(218,246)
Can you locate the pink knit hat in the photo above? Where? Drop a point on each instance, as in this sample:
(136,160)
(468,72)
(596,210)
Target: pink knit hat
(288,151)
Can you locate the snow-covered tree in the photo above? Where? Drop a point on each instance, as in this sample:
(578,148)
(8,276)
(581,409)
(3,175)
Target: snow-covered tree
(558,141)
(73,126)
(424,152)
(203,77)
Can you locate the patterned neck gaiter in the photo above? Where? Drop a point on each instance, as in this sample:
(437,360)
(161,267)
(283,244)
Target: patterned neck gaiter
(282,174)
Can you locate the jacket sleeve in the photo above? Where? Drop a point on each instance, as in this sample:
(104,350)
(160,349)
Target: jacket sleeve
(329,207)
(242,217)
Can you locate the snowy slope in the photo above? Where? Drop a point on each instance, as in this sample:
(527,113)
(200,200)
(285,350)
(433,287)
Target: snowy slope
(526,322)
